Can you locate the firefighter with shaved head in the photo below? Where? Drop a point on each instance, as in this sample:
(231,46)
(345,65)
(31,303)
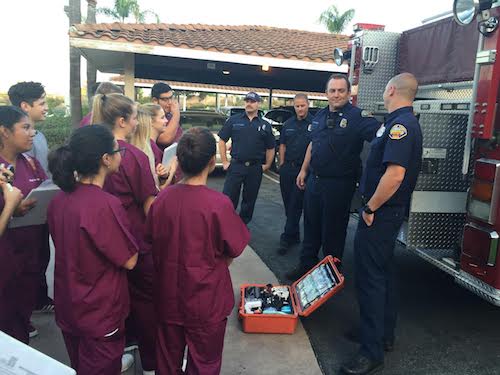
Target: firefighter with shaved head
(386,186)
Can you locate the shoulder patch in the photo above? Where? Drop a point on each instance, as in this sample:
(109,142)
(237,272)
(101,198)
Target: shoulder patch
(398,132)
(365,113)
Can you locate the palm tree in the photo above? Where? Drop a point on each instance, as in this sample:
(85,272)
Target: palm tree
(91,69)
(124,9)
(75,94)
(334,21)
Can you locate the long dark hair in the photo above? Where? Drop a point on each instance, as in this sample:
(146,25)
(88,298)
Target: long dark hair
(82,154)
(195,149)
(9,116)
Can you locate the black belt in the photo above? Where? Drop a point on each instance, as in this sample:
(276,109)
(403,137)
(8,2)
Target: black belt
(246,163)
(294,163)
(324,176)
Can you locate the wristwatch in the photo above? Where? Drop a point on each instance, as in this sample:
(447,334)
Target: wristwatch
(368,210)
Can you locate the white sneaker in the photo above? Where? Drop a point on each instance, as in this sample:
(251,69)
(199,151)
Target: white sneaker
(33,332)
(127,361)
(151,372)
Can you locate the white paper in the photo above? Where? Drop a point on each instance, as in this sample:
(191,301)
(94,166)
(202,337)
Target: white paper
(17,358)
(168,154)
(38,214)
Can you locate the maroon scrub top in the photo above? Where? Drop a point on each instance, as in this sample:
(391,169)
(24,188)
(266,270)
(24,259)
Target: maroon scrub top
(193,231)
(157,152)
(133,184)
(90,230)
(20,248)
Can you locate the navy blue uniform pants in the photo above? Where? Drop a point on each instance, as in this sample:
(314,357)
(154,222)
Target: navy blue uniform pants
(326,214)
(250,177)
(293,199)
(375,279)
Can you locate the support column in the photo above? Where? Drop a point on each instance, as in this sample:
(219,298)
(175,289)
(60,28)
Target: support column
(129,70)
(270,99)
(217,101)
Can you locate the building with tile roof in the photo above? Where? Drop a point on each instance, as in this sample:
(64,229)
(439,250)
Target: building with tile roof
(244,56)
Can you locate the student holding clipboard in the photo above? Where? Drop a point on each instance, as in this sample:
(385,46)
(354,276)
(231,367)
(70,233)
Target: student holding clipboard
(20,248)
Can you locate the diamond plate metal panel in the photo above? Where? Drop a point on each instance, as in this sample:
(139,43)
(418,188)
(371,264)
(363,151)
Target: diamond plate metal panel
(447,91)
(444,131)
(372,85)
(434,231)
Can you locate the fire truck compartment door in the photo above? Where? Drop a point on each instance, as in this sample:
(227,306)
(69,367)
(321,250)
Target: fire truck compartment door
(439,201)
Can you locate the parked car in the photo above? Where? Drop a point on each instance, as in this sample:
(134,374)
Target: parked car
(278,116)
(209,119)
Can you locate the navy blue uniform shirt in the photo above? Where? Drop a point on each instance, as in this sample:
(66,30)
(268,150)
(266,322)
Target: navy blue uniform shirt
(398,141)
(295,135)
(249,139)
(335,150)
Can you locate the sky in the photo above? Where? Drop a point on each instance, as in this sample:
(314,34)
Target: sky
(34,33)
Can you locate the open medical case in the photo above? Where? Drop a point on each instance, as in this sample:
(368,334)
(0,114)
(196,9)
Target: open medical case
(305,296)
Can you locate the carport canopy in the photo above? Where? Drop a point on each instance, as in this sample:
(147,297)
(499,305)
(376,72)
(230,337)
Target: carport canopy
(252,56)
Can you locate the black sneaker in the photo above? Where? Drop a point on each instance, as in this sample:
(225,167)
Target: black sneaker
(297,272)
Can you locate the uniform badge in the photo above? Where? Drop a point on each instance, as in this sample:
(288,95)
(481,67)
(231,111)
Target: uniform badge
(343,123)
(398,132)
(309,127)
(365,113)
(264,127)
(381,131)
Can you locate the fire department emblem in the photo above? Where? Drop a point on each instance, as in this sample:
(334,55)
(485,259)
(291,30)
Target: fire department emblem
(398,132)
(343,123)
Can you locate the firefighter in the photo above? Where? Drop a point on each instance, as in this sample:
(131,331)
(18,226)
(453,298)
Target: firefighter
(337,136)
(294,140)
(252,144)
(390,176)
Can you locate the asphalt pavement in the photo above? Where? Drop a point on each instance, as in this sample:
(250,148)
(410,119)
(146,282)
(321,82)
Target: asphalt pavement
(442,328)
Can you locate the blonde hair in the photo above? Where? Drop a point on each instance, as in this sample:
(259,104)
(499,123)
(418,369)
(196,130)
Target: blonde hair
(142,135)
(107,108)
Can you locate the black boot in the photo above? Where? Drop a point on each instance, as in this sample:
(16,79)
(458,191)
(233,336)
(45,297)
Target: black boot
(297,272)
(360,365)
(284,247)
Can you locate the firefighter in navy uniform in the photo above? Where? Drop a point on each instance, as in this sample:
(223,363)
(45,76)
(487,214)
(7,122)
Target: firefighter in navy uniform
(252,153)
(337,136)
(294,139)
(388,181)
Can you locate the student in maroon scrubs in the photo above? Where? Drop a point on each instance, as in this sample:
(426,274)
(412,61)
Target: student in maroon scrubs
(93,251)
(134,185)
(20,248)
(195,233)
(142,139)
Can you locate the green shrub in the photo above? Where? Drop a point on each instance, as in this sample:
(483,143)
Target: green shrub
(56,129)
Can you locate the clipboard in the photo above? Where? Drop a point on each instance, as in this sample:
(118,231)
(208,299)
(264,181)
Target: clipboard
(17,358)
(168,154)
(38,214)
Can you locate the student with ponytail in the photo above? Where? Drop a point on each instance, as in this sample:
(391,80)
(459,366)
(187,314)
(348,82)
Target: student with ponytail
(20,248)
(134,185)
(195,233)
(93,251)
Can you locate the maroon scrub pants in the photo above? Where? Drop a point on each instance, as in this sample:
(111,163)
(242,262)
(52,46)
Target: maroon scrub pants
(141,323)
(91,356)
(205,344)
(17,301)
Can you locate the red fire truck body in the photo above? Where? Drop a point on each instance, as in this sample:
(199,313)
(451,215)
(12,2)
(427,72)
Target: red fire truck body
(454,216)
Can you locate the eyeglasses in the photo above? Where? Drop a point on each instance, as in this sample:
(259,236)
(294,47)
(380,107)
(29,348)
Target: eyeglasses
(121,150)
(166,98)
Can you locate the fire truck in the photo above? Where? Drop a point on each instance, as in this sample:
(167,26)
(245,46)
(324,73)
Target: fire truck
(454,216)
